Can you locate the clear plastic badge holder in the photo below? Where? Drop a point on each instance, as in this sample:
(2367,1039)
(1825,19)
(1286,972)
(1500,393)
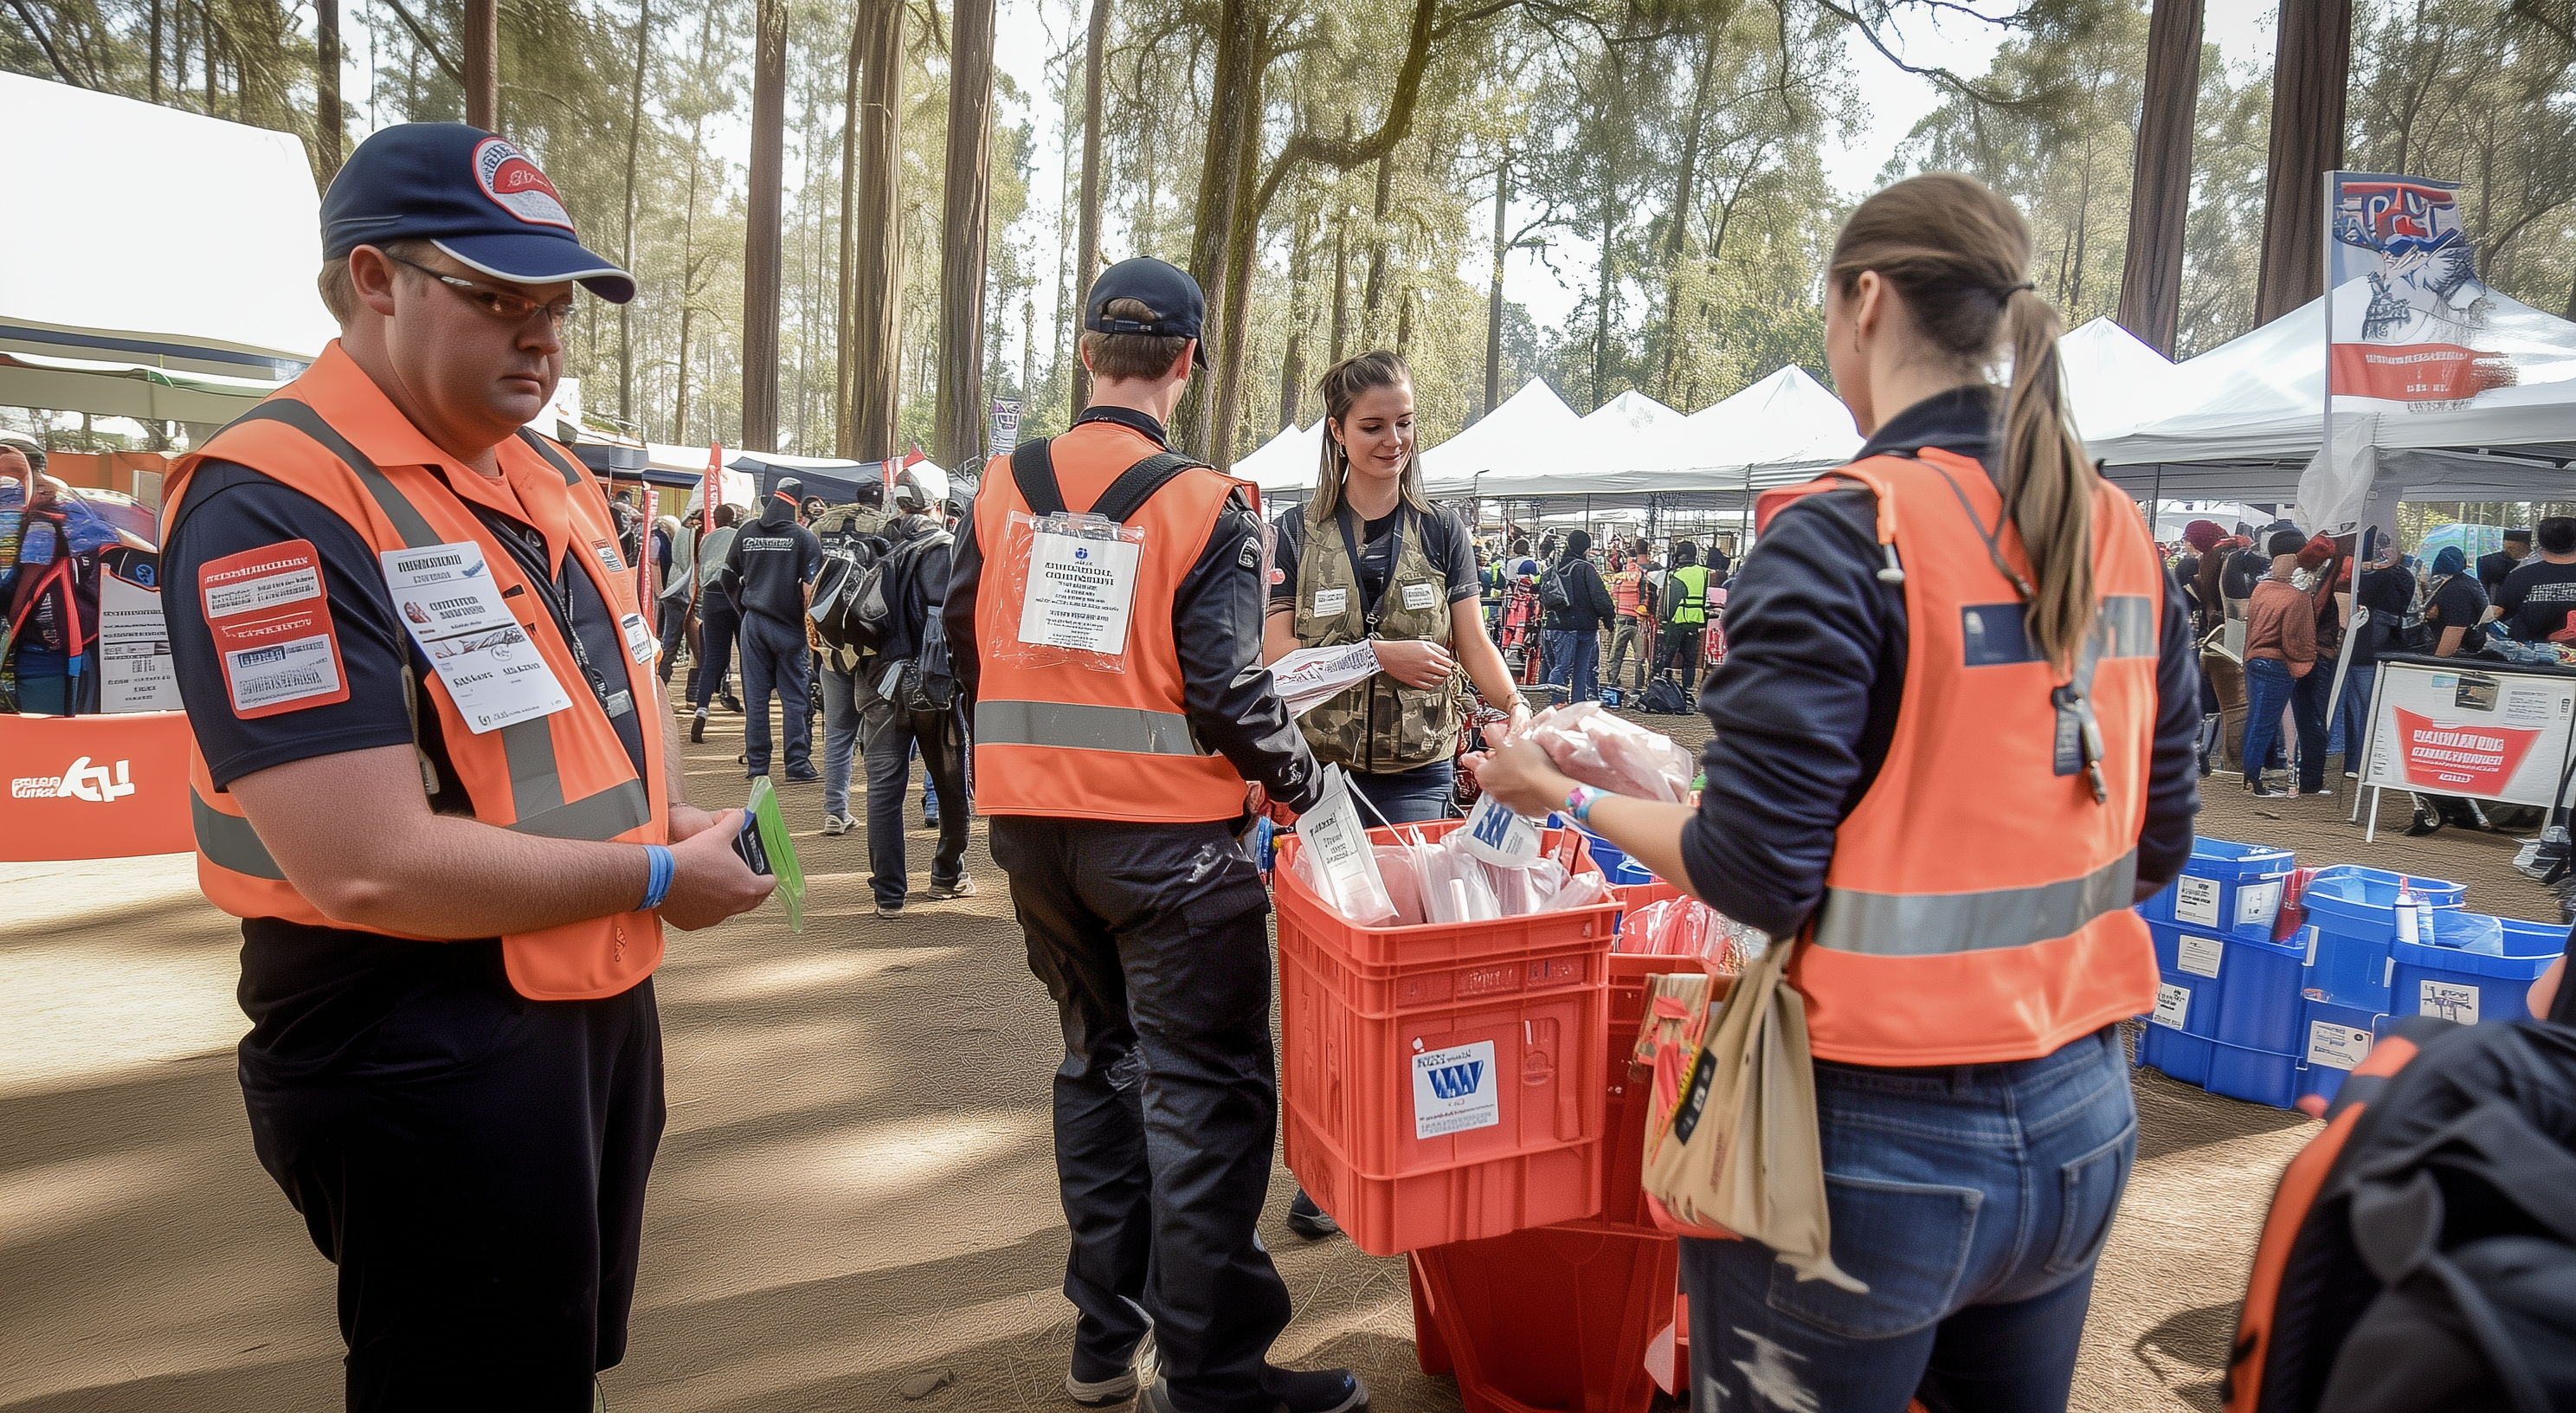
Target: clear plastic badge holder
(1074,579)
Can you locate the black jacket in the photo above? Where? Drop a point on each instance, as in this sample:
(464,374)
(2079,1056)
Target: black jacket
(769,564)
(1232,701)
(1591,607)
(1805,703)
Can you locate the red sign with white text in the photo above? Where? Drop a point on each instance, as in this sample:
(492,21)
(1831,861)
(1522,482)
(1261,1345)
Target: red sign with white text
(2470,760)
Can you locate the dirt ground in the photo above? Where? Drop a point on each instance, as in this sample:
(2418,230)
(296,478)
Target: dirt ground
(855,1200)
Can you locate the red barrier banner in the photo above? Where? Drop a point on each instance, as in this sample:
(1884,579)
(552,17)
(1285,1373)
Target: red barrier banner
(2468,760)
(94,787)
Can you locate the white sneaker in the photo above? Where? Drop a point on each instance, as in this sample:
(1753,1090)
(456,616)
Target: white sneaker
(838,824)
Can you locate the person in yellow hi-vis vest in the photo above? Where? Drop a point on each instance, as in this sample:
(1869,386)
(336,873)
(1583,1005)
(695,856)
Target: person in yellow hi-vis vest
(1956,736)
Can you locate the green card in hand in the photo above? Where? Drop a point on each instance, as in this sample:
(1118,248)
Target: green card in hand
(764,846)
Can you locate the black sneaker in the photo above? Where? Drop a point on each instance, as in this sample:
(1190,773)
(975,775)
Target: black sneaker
(731,704)
(2266,792)
(1310,1221)
(1291,1391)
(1115,1384)
(803,774)
(698,727)
(2427,821)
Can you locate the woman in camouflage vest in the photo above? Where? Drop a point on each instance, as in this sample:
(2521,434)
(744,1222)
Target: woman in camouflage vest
(1370,557)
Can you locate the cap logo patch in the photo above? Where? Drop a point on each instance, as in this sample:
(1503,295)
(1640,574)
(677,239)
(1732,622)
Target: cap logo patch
(517,186)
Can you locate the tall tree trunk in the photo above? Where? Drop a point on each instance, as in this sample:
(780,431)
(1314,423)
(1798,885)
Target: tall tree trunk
(845,319)
(876,304)
(1342,285)
(1086,254)
(155,84)
(1375,290)
(2160,197)
(1234,110)
(765,242)
(626,237)
(1301,312)
(328,128)
(1235,303)
(1494,286)
(1601,298)
(2311,71)
(483,64)
(965,219)
(1677,227)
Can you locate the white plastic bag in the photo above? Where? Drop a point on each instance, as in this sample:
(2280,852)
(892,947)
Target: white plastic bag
(1612,753)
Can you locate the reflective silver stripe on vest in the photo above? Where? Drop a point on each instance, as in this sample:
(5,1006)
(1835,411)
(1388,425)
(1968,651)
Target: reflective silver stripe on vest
(408,523)
(1085,728)
(605,815)
(230,841)
(1937,924)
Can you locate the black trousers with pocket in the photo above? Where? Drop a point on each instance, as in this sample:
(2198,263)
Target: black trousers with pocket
(475,1166)
(1151,939)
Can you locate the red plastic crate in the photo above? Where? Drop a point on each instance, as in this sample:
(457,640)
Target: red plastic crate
(1376,950)
(1557,1320)
(1517,1005)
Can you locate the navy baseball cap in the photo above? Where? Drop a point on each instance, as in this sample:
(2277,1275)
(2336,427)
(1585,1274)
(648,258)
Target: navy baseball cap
(1168,290)
(473,195)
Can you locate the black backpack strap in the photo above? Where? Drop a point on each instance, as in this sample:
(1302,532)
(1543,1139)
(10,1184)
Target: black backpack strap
(1033,467)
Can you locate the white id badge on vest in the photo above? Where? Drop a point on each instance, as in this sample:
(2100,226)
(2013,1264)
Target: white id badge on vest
(1418,597)
(640,643)
(448,601)
(1076,577)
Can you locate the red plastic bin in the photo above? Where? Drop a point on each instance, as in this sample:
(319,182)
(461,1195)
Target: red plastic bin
(1497,1127)
(1557,1320)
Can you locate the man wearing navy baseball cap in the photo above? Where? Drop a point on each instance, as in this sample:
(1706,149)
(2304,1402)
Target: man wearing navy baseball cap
(435,778)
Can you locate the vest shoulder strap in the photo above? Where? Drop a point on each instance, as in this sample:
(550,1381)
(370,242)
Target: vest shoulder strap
(300,416)
(1033,468)
(554,458)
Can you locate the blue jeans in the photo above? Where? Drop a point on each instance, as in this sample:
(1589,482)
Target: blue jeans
(846,698)
(1973,1200)
(2352,715)
(2269,689)
(1409,796)
(775,659)
(718,626)
(1574,662)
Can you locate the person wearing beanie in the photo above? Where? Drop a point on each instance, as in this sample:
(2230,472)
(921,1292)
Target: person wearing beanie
(1573,631)
(2320,574)
(2203,535)
(2494,569)
(2280,651)
(769,574)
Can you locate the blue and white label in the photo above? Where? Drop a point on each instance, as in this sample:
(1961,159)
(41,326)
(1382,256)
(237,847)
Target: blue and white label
(1500,837)
(2451,1000)
(2173,1006)
(2340,1047)
(2196,900)
(1454,1090)
(2257,904)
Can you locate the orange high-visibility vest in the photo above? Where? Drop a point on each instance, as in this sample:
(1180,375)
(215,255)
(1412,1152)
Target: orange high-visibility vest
(1978,904)
(332,435)
(1071,741)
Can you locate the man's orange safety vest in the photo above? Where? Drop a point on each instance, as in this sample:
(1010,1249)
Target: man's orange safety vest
(333,435)
(1059,738)
(1978,904)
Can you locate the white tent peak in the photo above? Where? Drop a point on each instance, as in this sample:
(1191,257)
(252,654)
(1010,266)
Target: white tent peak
(1631,410)
(1287,462)
(2114,383)
(1532,427)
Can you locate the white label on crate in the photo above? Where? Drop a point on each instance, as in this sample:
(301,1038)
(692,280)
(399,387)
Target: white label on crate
(2199,955)
(2448,999)
(2337,1046)
(2173,1006)
(1455,1090)
(2196,900)
(2258,902)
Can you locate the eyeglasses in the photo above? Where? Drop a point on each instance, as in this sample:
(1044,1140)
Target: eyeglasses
(500,304)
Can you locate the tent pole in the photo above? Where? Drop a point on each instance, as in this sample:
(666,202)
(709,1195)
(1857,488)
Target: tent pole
(1744,517)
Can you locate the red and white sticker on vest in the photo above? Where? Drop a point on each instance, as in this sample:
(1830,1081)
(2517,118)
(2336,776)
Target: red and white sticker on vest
(271,622)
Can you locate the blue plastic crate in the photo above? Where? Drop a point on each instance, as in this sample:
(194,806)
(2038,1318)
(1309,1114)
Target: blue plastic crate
(2181,1056)
(2337,1039)
(2259,1076)
(1608,855)
(2188,968)
(2226,888)
(2353,912)
(1631,872)
(2473,987)
(2258,993)
(2351,970)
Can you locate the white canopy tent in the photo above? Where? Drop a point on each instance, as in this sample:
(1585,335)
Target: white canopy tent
(191,310)
(1284,466)
(2113,383)
(1533,429)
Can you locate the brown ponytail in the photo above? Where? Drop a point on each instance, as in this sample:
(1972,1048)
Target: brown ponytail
(1960,257)
(1341,386)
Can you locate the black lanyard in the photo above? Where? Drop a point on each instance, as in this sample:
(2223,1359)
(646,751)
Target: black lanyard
(1372,609)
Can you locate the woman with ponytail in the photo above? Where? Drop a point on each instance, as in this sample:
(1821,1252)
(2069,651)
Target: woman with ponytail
(1955,736)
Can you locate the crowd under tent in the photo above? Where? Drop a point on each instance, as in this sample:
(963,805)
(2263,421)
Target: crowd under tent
(835,479)
(191,314)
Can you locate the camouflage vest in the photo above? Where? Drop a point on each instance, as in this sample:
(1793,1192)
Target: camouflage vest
(1378,726)
(841,524)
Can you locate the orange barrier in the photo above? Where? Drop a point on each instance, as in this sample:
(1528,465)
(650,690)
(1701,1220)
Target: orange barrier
(94,787)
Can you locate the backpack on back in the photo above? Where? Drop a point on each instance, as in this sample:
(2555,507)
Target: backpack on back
(931,684)
(1552,592)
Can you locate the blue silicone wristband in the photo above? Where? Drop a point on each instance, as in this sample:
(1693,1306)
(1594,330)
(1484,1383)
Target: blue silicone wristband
(1579,801)
(658,886)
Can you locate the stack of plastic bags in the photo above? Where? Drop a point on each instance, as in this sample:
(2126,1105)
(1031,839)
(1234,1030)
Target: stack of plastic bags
(1687,927)
(1440,881)
(1613,753)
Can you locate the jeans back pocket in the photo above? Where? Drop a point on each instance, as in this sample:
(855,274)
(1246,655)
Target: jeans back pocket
(2088,1197)
(1908,1242)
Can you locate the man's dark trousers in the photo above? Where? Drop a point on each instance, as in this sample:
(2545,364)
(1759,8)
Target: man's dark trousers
(719,623)
(889,733)
(1151,939)
(774,659)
